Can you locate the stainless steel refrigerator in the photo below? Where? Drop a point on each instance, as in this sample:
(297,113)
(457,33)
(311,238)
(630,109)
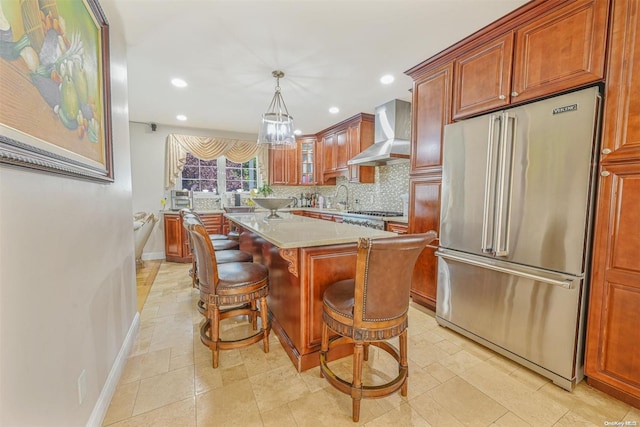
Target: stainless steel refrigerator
(515,231)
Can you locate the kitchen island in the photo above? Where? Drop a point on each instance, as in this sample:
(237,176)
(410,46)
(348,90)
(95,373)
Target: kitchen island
(304,256)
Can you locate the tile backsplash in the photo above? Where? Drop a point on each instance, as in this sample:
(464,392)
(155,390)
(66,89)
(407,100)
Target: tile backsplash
(391,182)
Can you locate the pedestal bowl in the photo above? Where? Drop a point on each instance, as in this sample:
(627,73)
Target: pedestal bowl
(273,204)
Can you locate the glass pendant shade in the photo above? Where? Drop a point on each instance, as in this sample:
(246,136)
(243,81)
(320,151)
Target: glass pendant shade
(276,127)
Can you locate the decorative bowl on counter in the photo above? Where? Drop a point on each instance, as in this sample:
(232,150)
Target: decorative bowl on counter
(273,204)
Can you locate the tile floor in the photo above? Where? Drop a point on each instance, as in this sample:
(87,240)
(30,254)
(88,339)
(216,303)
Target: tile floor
(169,381)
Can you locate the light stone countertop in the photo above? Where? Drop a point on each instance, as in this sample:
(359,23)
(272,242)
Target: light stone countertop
(295,231)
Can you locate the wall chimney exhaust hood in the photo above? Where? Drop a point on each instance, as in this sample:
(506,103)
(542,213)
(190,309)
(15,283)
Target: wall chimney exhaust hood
(392,136)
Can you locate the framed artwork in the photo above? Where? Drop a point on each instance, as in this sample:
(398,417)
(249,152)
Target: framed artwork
(55,106)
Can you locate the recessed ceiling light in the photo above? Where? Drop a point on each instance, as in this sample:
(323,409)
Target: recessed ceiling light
(387,79)
(181,117)
(178,82)
(297,132)
(334,110)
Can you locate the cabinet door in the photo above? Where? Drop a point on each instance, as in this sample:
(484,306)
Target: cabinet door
(613,333)
(291,166)
(307,161)
(561,50)
(277,173)
(483,77)
(212,223)
(328,161)
(431,110)
(176,246)
(341,150)
(360,138)
(424,215)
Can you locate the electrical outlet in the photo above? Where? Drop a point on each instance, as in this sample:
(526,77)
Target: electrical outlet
(82,386)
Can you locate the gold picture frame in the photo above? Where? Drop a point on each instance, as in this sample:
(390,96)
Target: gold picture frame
(55,104)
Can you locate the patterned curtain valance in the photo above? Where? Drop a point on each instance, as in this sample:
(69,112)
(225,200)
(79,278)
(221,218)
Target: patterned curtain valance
(207,148)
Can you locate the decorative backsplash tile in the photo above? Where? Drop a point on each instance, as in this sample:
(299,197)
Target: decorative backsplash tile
(391,182)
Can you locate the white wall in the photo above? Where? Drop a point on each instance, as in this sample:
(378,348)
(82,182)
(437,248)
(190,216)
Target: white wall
(67,278)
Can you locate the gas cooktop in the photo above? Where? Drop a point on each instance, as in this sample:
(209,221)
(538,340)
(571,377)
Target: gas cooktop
(376,213)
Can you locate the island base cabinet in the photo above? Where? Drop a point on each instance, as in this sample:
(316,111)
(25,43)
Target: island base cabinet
(298,278)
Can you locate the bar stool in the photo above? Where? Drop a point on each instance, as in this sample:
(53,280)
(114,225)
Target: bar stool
(222,256)
(232,289)
(233,232)
(220,241)
(214,236)
(371,309)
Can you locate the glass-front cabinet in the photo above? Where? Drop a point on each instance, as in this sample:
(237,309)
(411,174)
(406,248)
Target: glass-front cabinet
(307,159)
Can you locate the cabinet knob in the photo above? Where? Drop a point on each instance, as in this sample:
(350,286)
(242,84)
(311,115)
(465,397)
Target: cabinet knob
(502,97)
(604,173)
(514,93)
(606,150)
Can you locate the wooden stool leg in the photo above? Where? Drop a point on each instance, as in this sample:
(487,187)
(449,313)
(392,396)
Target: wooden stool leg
(264,315)
(366,351)
(356,385)
(403,361)
(324,343)
(253,317)
(215,334)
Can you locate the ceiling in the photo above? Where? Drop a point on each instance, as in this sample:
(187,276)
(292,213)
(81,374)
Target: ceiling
(333,53)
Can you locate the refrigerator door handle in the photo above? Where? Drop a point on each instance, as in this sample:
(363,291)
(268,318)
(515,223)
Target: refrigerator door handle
(503,198)
(568,283)
(489,185)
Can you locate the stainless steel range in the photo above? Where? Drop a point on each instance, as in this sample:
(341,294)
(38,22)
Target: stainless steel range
(369,219)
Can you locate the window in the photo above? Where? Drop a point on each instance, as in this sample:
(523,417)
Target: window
(219,175)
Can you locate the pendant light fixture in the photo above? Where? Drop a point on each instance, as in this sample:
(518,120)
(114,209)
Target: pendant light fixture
(276,127)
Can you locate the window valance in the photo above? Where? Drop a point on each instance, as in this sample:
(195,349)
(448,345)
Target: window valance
(207,148)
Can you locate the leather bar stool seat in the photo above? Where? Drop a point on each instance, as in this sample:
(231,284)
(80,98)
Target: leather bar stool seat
(224,245)
(371,309)
(229,290)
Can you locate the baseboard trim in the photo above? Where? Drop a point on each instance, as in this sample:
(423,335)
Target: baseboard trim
(109,388)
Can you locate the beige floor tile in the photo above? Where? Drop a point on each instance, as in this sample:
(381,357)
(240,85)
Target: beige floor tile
(460,362)
(532,407)
(433,412)
(571,419)
(588,402)
(466,403)
(404,415)
(122,402)
(207,378)
(439,372)
(233,374)
(276,387)
(181,413)
(227,405)
(510,420)
(278,417)
(164,389)
(633,416)
(327,407)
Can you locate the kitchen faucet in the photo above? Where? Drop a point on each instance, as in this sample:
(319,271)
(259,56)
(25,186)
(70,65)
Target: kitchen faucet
(346,190)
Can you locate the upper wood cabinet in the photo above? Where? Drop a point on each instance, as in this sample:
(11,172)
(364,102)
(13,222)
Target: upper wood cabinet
(560,49)
(283,166)
(361,136)
(483,77)
(307,160)
(342,142)
(431,111)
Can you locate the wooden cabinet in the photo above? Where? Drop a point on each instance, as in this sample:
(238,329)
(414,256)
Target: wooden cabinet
(176,243)
(431,110)
(611,361)
(559,49)
(424,215)
(175,239)
(342,142)
(361,136)
(483,77)
(283,166)
(307,160)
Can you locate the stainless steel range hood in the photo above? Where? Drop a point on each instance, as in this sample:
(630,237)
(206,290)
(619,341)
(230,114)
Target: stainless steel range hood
(392,135)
